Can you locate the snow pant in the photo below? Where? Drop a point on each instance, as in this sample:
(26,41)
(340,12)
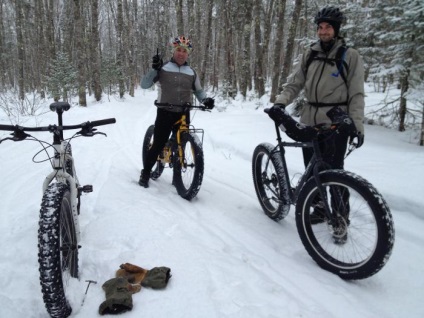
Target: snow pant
(164,125)
(333,151)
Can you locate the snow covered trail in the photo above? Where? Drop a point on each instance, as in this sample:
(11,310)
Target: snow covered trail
(227,258)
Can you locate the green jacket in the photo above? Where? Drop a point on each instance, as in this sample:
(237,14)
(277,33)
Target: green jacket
(323,87)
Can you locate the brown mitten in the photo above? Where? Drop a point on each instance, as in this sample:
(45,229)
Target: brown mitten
(155,278)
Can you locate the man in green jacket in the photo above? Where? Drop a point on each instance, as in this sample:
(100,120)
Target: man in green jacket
(331,75)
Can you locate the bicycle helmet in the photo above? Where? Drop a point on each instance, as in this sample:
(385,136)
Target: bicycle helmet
(182,41)
(329,14)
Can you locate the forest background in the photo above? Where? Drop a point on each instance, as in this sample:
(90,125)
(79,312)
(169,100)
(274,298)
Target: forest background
(67,50)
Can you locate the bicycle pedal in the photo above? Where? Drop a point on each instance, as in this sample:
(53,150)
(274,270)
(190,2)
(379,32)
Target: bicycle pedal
(86,189)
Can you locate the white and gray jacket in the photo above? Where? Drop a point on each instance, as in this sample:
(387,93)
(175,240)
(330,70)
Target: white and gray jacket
(176,83)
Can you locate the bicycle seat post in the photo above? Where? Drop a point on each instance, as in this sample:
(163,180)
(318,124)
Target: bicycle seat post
(59,108)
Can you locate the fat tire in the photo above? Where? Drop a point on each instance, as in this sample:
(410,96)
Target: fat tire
(57,248)
(370,230)
(188,178)
(270,182)
(147,144)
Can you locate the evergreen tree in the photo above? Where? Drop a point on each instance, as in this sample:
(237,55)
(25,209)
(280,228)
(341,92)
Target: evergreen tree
(62,79)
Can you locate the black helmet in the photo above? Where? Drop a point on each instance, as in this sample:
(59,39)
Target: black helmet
(330,14)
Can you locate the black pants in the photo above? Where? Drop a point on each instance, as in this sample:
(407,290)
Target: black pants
(333,151)
(164,125)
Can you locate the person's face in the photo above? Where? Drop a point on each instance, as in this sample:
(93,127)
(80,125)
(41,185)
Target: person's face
(180,55)
(325,32)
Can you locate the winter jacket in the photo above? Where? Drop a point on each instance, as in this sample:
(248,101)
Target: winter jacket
(176,84)
(322,84)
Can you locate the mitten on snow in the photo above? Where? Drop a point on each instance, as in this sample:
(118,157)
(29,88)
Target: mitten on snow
(118,296)
(155,278)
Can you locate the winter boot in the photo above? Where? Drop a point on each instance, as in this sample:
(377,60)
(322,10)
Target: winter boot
(144,179)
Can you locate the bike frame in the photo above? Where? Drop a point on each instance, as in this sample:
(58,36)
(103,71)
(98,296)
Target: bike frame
(312,169)
(59,173)
(61,176)
(183,128)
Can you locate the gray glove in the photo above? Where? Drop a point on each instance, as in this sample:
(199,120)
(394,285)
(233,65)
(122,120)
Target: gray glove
(157,277)
(118,296)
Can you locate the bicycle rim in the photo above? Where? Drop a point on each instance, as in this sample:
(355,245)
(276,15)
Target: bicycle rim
(58,249)
(358,241)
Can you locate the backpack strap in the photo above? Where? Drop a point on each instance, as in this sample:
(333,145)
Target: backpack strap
(342,69)
(340,61)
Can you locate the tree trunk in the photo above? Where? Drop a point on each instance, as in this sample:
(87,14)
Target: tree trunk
(120,58)
(245,74)
(231,71)
(180,20)
(404,84)
(206,48)
(259,76)
(95,50)
(278,48)
(79,52)
(288,58)
(21,48)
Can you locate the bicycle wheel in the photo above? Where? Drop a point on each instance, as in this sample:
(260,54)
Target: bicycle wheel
(188,174)
(270,182)
(147,144)
(57,249)
(358,240)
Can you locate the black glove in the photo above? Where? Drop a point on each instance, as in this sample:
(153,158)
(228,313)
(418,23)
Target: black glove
(209,103)
(341,118)
(157,62)
(359,139)
(282,106)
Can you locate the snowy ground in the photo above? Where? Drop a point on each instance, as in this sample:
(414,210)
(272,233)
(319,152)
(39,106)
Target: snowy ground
(227,258)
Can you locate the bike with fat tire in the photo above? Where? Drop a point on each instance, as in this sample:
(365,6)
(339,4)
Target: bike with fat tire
(355,237)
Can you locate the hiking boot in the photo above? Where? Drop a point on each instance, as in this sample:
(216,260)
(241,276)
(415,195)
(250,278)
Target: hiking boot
(144,179)
(340,231)
(318,215)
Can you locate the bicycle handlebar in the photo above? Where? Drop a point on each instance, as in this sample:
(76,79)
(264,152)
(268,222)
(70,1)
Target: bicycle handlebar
(86,129)
(53,128)
(183,107)
(340,121)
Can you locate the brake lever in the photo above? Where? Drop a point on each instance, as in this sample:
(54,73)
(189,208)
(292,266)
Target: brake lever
(17,136)
(90,132)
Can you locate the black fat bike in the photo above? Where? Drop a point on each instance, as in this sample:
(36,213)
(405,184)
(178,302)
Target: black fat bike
(355,236)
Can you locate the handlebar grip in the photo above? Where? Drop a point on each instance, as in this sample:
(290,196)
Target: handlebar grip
(102,122)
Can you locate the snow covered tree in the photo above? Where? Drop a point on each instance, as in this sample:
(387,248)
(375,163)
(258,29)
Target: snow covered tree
(396,37)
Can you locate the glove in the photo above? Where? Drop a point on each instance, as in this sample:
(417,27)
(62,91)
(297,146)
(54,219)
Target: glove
(359,139)
(157,62)
(118,296)
(341,118)
(295,130)
(209,103)
(155,278)
(282,106)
